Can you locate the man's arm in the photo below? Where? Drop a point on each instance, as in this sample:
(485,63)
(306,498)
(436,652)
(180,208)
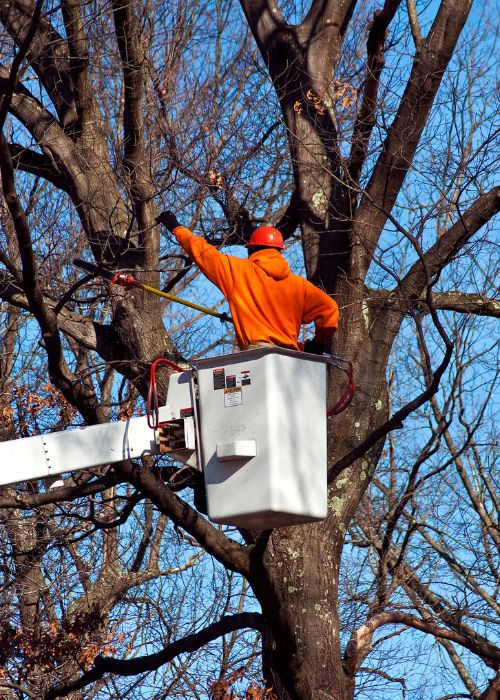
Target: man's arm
(214,265)
(323,310)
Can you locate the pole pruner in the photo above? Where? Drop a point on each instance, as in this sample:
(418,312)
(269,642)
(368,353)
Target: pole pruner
(128,281)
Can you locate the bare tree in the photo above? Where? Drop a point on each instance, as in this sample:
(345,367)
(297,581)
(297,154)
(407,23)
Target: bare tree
(369,131)
(425,533)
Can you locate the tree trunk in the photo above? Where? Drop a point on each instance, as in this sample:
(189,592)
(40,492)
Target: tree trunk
(305,654)
(301,564)
(300,591)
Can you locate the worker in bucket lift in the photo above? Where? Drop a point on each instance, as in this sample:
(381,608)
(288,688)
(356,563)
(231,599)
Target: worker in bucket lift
(268,302)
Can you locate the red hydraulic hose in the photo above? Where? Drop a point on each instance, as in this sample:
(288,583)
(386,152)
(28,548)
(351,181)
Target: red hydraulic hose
(348,393)
(152,408)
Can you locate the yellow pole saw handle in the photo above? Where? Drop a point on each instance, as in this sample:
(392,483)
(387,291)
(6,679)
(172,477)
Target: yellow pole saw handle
(125,279)
(223,316)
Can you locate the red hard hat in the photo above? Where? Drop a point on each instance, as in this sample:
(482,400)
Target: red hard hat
(267,236)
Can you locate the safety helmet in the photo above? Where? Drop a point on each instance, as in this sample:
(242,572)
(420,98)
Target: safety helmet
(266,236)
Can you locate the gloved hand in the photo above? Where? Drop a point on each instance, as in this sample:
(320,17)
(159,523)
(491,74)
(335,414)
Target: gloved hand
(315,347)
(168,219)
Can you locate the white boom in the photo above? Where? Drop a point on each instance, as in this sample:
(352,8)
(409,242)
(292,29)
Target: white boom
(44,456)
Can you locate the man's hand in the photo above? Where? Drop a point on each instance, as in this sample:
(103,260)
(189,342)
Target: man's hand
(168,219)
(315,347)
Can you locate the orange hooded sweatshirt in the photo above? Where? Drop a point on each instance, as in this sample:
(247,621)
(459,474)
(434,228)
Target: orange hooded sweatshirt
(268,302)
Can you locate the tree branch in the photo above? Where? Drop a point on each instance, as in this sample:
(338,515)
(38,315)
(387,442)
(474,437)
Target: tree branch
(365,119)
(21,688)
(430,63)
(328,12)
(90,334)
(451,616)
(396,420)
(467,303)
(132,56)
(414,24)
(78,63)
(24,501)
(360,643)
(141,664)
(493,690)
(449,244)
(460,302)
(18,59)
(231,554)
(135,161)
(37,164)
(289,221)
(48,55)
(460,667)
(240,223)
(262,22)
(37,120)
(11,291)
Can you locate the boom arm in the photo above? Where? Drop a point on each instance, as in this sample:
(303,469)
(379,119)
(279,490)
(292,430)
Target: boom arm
(44,456)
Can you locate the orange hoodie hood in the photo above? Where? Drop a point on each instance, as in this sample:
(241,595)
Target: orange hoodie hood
(272,263)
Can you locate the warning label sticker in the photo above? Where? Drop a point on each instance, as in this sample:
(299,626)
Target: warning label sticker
(219,378)
(230,380)
(245,377)
(233,396)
